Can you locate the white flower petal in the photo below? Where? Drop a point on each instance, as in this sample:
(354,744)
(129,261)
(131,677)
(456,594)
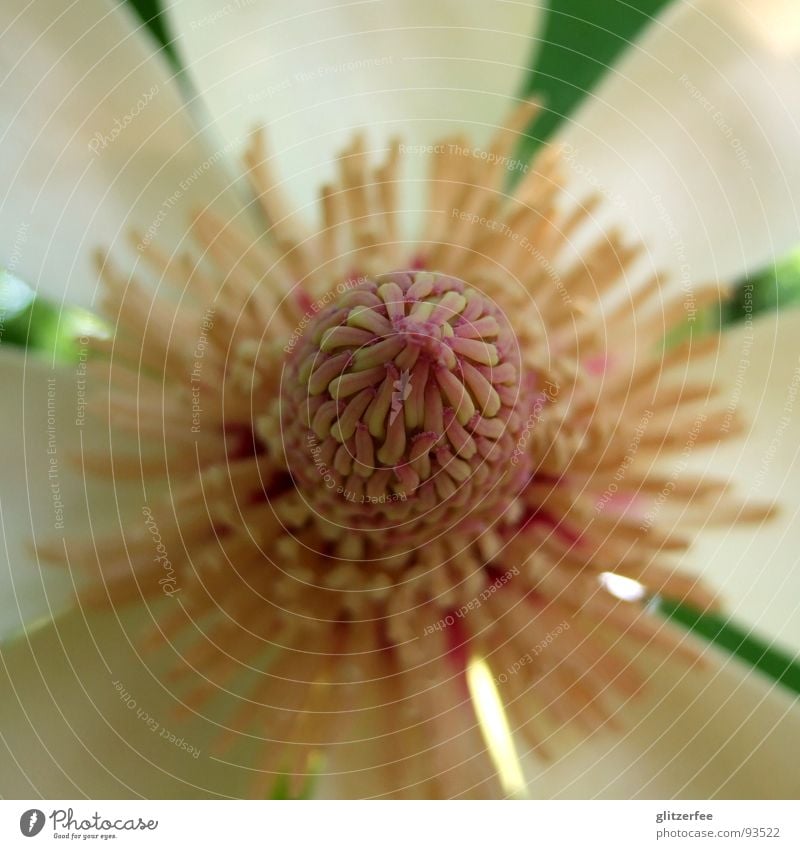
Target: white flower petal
(82,715)
(755,568)
(46,501)
(694,135)
(725,732)
(315,72)
(85,715)
(32,494)
(95,139)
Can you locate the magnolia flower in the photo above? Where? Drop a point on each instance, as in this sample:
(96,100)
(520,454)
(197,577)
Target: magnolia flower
(385,455)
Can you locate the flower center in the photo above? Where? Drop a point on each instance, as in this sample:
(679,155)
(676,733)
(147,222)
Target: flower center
(401,410)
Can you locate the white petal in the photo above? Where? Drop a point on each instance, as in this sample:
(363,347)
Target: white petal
(82,715)
(722,733)
(694,136)
(32,494)
(755,568)
(315,72)
(95,139)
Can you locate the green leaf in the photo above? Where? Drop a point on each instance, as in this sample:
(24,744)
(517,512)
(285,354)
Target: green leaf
(580,40)
(155,20)
(282,788)
(39,324)
(772,289)
(721,631)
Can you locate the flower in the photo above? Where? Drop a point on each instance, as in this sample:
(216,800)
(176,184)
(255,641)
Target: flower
(404,492)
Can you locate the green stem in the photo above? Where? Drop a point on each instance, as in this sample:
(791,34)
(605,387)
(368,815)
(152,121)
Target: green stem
(720,631)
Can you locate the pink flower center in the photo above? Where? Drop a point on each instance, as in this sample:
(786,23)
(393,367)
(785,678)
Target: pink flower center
(401,409)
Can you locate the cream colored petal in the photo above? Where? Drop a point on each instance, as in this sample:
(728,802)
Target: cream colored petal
(82,714)
(49,508)
(693,137)
(315,72)
(755,568)
(33,497)
(96,139)
(725,732)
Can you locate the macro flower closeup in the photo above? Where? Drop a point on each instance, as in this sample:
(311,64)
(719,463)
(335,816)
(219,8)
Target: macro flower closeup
(397,427)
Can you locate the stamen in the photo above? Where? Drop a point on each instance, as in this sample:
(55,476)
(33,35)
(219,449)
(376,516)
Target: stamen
(378,450)
(392,396)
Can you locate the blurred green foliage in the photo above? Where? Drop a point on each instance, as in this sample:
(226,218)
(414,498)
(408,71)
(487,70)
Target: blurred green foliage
(283,787)
(41,325)
(722,632)
(155,20)
(579,42)
(772,289)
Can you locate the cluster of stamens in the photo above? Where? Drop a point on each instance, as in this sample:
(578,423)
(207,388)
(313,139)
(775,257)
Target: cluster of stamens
(404,395)
(384,489)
